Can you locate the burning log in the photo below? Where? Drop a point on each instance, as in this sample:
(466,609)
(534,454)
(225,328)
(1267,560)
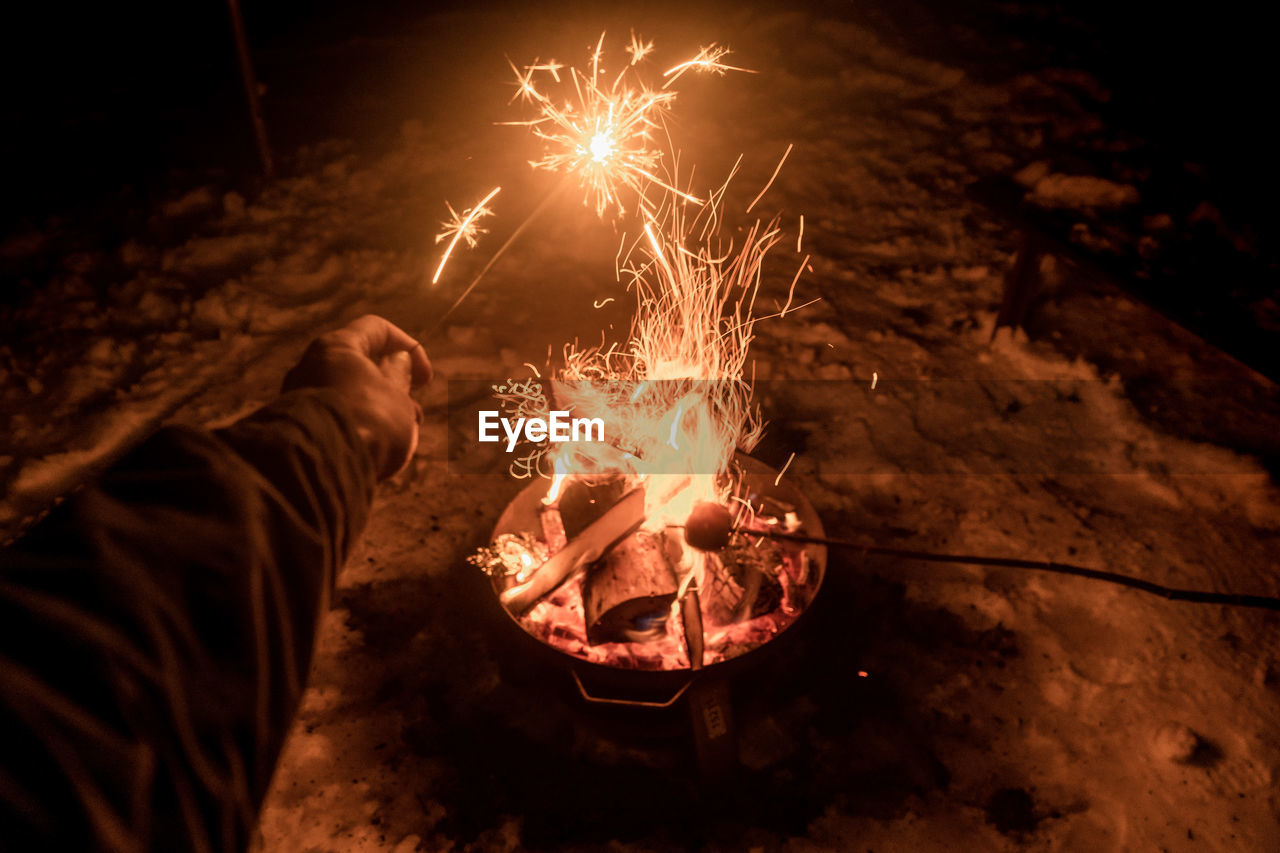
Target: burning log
(553,532)
(588,546)
(581,503)
(756,567)
(627,595)
(751,590)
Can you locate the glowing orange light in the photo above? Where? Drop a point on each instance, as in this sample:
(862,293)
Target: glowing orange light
(708,59)
(602,147)
(604,131)
(463,226)
(674,394)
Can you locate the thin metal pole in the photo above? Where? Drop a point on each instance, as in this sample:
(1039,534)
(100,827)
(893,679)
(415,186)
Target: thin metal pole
(1266,602)
(542,205)
(251,89)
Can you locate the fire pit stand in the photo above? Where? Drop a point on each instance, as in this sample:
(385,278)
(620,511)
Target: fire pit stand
(704,690)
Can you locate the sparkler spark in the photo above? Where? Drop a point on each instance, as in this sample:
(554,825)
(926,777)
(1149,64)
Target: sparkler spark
(778,479)
(708,59)
(639,48)
(463,226)
(772,178)
(604,131)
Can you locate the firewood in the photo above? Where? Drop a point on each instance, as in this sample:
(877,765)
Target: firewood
(553,532)
(588,546)
(626,596)
(581,503)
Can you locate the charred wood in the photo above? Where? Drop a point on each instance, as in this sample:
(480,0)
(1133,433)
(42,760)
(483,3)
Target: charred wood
(627,595)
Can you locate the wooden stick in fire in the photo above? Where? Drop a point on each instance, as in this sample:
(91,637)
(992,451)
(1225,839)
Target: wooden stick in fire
(710,527)
(591,544)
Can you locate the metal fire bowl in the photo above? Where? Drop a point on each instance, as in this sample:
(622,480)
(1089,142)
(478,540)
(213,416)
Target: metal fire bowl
(613,685)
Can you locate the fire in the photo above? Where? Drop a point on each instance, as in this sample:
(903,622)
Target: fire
(602,128)
(679,407)
(674,394)
(560,471)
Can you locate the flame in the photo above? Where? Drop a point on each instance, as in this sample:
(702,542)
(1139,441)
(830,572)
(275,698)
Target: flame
(674,395)
(560,470)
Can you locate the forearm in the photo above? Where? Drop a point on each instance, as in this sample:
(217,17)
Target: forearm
(155,631)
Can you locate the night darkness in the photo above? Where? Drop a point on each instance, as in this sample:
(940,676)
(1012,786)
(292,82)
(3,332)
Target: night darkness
(1047,230)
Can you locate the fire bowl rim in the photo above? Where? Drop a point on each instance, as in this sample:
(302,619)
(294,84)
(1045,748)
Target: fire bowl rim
(521,516)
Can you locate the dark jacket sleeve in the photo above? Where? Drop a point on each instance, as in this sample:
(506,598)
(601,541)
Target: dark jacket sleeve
(157,628)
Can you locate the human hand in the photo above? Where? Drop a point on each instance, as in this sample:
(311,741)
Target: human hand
(372,364)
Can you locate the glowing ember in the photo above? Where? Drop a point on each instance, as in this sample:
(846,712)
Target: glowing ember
(463,226)
(751,591)
(604,131)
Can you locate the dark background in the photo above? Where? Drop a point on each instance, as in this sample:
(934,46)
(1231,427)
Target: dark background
(109,109)
(97,96)
(112,109)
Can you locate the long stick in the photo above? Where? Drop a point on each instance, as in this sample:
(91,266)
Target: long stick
(251,88)
(542,205)
(1171,593)
(588,546)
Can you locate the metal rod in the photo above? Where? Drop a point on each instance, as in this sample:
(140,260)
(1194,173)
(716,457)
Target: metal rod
(1261,601)
(542,205)
(251,88)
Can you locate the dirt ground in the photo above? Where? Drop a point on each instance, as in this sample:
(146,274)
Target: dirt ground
(999,710)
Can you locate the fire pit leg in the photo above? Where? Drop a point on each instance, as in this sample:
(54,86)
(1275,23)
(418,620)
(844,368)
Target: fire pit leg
(714,740)
(710,708)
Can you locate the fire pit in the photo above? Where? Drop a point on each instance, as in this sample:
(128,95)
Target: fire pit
(590,561)
(625,623)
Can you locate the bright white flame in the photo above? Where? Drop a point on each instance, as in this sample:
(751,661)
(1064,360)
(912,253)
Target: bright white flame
(602,129)
(601,147)
(673,395)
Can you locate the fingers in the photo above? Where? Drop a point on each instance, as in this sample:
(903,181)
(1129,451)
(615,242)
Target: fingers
(421,365)
(396,367)
(378,338)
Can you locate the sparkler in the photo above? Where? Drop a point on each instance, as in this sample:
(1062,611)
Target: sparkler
(708,59)
(494,259)
(463,226)
(603,135)
(604,131)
